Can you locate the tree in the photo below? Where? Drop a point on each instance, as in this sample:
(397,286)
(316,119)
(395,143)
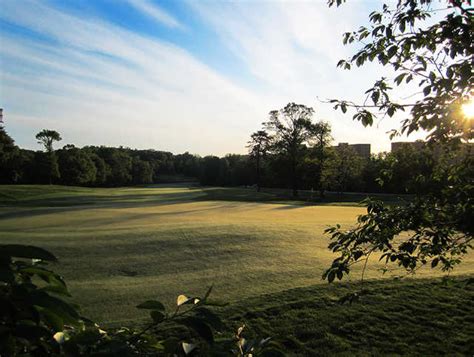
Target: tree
(119,165)
(45,168)
(76,167)
(102,170)
(291,131)
(47,138)
(322,137)
(48,165)
(10,159)
(187,164)
(437,56)
(418,162)
(142,172)
(213,171)
(240,170)
(346,167)
(258,147)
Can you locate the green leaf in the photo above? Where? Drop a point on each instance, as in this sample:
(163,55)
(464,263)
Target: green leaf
(200,327)
(375,97)
(392,51)
(390,111)
(157,316)
(344,107)
(170,345)
(358,254)
(398,79)
(210,317)
(59,307)
(26,251)
(151,305)
(53,320)
(30,331)
(56,289)
(46,275)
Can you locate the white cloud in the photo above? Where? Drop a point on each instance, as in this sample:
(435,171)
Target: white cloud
(98,83)
(293,47)
(155,12)
(135,91)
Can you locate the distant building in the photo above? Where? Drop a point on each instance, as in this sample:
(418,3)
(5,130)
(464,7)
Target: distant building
(418,145)
(363,150)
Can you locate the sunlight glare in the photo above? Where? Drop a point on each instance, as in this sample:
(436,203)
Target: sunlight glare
(468,109)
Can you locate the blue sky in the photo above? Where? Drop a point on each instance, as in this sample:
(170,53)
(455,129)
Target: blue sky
(196,76)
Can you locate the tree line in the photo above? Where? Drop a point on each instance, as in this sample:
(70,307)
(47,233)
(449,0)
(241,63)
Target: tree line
(290,151)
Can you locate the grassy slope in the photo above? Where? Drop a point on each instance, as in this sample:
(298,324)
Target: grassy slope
(118,247)
(422,318)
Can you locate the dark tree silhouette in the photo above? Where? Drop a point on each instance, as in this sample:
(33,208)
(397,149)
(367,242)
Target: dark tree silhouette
(47,138)
(321,133)
(291,130)
(438,57)
(258,146)
(49,163)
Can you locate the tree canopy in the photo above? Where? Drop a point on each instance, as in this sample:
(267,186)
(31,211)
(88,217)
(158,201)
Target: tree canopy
(292,132)
(258,146)
(438,57)
(47,137)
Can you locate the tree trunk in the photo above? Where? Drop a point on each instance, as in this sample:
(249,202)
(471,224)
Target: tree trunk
(258,173)
(294,179)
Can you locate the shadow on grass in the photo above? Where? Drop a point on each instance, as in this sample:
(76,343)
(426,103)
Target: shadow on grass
(49,205)
(409,317)
(65,199)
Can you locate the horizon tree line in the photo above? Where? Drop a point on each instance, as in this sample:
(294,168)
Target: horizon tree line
(291,151)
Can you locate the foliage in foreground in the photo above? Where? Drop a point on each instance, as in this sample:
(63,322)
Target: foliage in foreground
(37,319)
(437,56)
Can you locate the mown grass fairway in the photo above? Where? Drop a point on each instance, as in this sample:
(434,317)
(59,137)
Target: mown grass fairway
(118,247)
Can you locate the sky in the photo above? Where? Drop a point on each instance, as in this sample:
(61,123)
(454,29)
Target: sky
(197,76)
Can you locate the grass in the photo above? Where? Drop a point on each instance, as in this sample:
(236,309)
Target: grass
(425,317)
(120,246)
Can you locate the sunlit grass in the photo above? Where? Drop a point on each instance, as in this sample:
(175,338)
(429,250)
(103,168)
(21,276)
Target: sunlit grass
(118,247)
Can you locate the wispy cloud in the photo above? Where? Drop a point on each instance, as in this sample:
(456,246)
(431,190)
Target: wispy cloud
(99,83)
(293,47)
(117,87)
(155,12)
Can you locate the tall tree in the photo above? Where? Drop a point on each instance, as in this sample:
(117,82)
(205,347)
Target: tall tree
(49,163)
(291,130)
(258,147)
(9,158)
(322,139)
(47,138)
(437,55)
